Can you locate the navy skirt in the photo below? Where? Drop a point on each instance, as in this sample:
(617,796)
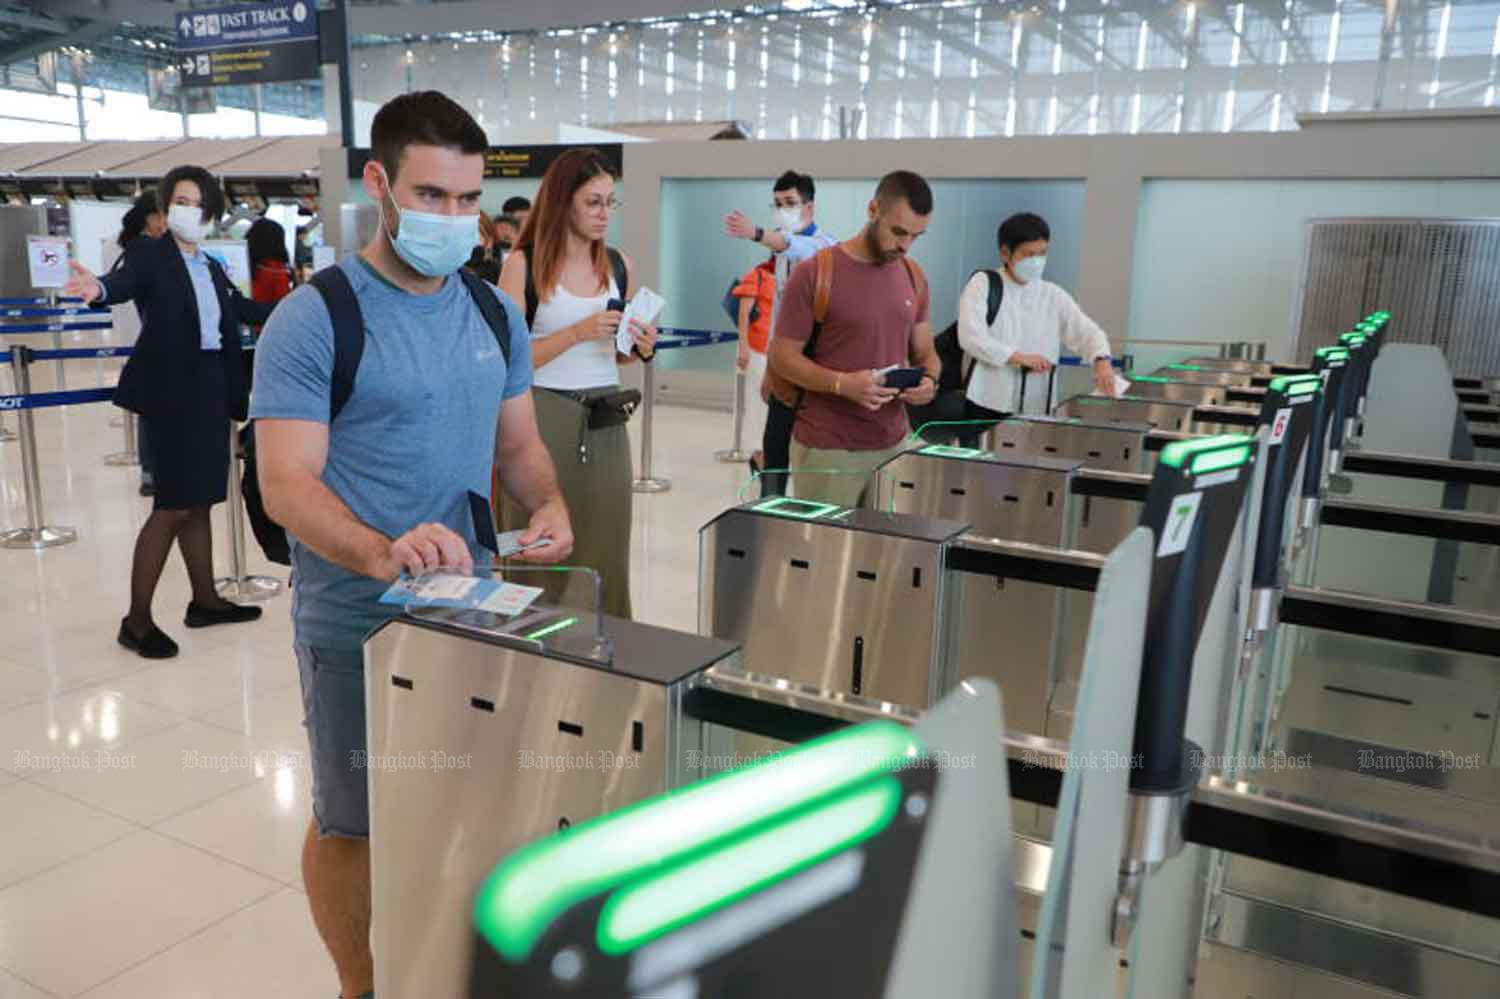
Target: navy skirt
(190,446)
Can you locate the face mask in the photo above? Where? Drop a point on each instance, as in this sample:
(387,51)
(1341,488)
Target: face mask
(1030,269)
(503,246)
(187,223)
(432,245)
(789,219)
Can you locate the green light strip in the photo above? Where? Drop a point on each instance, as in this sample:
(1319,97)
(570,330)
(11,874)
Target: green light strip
(1213,461)
(788,506)
(1185,367)
(1177,452)
(1287,383)
(1335,353)
(542,880)
(1154,379)
(643,912)
(552,628)
(949,451)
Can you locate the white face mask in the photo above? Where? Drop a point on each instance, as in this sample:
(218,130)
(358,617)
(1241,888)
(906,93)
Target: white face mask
(186,222)
(789,219)
(1030,269)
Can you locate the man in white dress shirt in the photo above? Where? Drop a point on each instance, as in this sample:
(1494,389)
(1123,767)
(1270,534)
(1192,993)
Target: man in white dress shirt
(1015,355)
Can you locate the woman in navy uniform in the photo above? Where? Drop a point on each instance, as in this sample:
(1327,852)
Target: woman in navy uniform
(188,381)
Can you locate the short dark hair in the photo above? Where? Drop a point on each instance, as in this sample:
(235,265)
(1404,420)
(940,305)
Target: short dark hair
(514,204)
(1022,228)
(266,240)
(792,179)
(423,118)
(213,194)
(903,185)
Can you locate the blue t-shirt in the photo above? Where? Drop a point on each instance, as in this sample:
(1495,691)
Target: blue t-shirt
(417,433)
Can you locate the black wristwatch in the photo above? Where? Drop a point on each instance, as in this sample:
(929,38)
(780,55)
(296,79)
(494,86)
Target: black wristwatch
(759,234)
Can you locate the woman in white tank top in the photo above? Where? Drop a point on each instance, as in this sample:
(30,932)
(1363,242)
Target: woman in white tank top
(574,278)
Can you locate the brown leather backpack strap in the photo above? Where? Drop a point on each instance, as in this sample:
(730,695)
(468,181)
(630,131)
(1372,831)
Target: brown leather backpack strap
(823,285)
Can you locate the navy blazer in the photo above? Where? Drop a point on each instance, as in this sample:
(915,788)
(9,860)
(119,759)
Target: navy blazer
(154,276)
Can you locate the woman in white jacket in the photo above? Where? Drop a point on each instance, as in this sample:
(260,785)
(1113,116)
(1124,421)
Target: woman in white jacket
(1014,355)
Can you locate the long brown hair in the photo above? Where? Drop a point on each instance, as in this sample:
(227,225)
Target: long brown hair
(545,234)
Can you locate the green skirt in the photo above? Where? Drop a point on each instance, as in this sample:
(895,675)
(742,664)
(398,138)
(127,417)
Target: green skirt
(599,497)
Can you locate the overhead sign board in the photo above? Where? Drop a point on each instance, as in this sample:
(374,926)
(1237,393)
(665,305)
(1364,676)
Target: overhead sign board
(248,43)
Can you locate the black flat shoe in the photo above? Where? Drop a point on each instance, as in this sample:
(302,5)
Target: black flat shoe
(155,644)
(199,616)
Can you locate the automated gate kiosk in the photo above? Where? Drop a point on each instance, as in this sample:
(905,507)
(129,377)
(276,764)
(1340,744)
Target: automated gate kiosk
(485,733)
(1158,387)
(840,598)
(1021,498)
(1198,374)
(873,861)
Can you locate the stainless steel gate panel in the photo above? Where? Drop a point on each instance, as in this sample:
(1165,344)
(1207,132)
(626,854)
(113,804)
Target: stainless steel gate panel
(1200,375)
(852,601)
(1154,387)
(1109,446)
(1160,414)
(1262,369)
(480,743)
(1006,626)
(1017,498)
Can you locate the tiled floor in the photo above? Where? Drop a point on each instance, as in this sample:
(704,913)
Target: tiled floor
(151,815)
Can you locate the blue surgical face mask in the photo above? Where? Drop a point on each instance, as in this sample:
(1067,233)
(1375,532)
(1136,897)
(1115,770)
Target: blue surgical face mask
(432,245)
(1030,269)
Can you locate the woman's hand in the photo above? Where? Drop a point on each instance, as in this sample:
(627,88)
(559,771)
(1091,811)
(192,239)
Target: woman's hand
(1031,362)
(82,284)
(644,335)
(742,355)
(601,325)
(1104,378)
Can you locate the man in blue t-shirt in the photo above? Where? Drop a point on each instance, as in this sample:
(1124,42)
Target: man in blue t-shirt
(383,488)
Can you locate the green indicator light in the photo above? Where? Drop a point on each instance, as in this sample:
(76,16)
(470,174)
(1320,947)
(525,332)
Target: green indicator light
(949,451)
(1212,461)
(1185,367)
(1288,383)
(1333,352)
(786,506)
(542,880)
(1177,452)
(643,912)
(841,516)
(1154,379)
(553,628)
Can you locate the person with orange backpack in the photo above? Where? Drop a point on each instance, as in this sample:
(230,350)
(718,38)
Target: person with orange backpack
(852,342)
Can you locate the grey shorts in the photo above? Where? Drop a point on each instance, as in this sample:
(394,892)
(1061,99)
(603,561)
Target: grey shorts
(333,710)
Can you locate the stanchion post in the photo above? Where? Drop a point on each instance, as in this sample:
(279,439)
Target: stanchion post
(131,455)
(60,374)
(6,434)
(735,454)
(238,585)
(36,534)
(646,482)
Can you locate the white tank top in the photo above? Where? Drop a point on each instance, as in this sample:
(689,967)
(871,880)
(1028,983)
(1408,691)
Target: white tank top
(584,365)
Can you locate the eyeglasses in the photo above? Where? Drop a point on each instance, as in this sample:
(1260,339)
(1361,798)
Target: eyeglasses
(597,205)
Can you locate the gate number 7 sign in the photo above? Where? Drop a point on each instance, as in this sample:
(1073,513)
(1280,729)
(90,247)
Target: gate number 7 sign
(1179,527)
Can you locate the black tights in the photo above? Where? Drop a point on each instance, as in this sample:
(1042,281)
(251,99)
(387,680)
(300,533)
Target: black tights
(193,533)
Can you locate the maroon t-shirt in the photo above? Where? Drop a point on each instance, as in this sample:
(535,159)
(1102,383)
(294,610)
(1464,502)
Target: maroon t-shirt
(871,311)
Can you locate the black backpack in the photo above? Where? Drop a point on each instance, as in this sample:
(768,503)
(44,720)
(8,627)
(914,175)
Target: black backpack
(348,348)
(616,265)
(950,352)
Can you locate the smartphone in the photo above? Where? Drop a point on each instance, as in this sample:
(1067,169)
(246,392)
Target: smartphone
(615,305)
(902,378)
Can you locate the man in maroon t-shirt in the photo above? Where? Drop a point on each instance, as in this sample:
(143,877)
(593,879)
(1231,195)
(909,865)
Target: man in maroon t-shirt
(849,422)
